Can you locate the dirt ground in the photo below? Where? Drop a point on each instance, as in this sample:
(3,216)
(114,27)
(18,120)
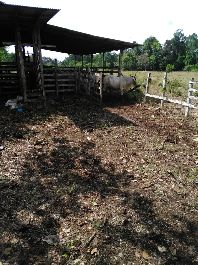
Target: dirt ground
(87,184)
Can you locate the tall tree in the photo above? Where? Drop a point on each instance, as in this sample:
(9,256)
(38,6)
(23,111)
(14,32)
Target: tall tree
(174,50)
(153,49)
(191,50)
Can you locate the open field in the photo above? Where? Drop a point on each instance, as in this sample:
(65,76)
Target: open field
(98,185)
(177,86)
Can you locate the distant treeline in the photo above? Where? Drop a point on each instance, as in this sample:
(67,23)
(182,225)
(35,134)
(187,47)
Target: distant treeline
(178,53)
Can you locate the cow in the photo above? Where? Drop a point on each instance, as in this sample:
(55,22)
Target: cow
(121,84)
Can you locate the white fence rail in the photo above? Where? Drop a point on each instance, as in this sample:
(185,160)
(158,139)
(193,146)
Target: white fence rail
(187,104)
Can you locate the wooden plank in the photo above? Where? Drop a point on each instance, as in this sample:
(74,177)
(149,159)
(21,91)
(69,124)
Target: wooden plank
(66,85)
(193,89)
(65,74)
(11,81)
(48,75)
(60,90)
(49,85)
(66,80)
(20,60)
(193,97)
(180,102)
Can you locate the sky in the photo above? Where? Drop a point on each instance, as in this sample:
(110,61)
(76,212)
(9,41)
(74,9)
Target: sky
(125,20)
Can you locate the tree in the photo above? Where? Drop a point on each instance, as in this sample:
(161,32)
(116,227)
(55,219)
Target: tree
(153,49)
(191,50)
(174,50)
(129,60)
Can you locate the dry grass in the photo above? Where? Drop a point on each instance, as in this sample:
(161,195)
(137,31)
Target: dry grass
(178,80)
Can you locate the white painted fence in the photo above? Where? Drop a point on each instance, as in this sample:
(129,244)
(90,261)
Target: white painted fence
(192,88)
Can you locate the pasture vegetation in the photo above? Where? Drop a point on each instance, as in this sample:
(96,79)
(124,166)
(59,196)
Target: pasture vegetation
(82,183)
(177,86)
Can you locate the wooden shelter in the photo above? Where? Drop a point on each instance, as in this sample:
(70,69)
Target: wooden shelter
(27,26)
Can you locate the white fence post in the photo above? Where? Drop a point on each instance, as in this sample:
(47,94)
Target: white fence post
(164,84)
(148,80)
(189,101)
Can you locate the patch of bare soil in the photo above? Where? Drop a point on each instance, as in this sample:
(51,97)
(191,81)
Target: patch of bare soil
(85,184)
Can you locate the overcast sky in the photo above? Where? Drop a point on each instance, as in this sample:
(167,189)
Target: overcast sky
(125,20)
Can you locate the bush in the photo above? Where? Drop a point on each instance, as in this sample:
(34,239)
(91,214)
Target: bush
(169,68)
(191,68)
(135,96)
(174,87)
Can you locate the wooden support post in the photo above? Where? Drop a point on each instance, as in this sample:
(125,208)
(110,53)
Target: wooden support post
(56,77)
(75,61)
(164,84)
(189,101)
(120,63)
(103,61)
(76,82)
(89,82)
(148,80)
(100,87)
(20,62)
(38,63)
(82,62)
(91,61)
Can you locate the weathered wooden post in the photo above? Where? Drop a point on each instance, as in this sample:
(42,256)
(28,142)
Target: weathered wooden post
(103,61)
(82,61)
(100,87)
(75,61)
(91,61)
(148,80)
(76,80)
(38,63)
(20,62)
(120,62)
(56,77)
(89,82)
(164,84)
(189,100)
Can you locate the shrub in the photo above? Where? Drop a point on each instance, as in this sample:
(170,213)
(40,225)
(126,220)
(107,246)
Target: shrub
(174,87)
(169,68)
(191,68)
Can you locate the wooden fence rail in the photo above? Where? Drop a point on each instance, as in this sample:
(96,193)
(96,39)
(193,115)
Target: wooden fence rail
(9,81)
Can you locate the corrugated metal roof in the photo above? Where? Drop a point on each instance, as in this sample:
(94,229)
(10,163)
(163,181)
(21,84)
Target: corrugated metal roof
(59,39)
(74,42)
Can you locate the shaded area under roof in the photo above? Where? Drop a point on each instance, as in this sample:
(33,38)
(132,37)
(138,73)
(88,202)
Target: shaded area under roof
(74,42)
(52,37)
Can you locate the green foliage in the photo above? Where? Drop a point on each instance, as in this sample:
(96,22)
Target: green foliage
(169,68)
(178,53)
(174,87)
(191,68)
(135,96)
(48,61)
(5,56)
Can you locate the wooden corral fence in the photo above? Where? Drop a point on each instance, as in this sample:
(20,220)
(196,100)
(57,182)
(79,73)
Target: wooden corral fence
(57,81)
(9,80)
(188,104)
